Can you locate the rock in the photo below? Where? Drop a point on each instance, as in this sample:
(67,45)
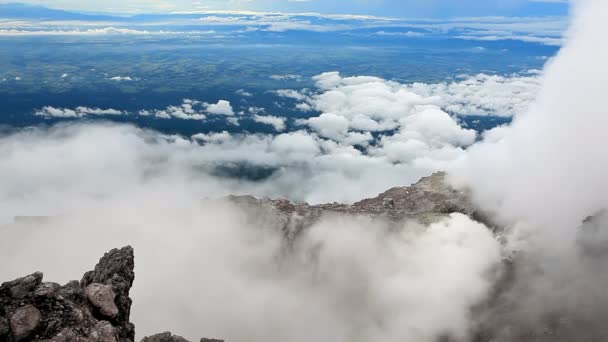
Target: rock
(65,335)
(47,290)
(115,268)
(102,297)
(164,337)
(168,337)
(19,288)
(45,311)
(103,332)
(95,309)
(24,321)
(4,327)
(427,201)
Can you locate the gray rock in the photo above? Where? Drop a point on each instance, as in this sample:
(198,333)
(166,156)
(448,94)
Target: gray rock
(427,201)
(115,268)
(102,297)
(19,288)
(47,290)
(103,332)
(164,337)
(65,335)
(168,337)
(39,311)
(24,321)
(4,326)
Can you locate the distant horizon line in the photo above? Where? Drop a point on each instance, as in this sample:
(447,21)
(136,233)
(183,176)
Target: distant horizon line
(341,15)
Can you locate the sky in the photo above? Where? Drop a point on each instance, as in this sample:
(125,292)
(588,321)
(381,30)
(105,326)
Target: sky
(393,8)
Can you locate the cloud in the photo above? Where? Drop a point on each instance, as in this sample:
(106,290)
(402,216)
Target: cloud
(481,94)
(274,121)
(78,112)
(292,94)
(530,39)
(543,179)
(400,34)
(106,185)
(484,94)
(288,77)
(121,78)
(94,32)
(187,110)
(244,93)
(222,107)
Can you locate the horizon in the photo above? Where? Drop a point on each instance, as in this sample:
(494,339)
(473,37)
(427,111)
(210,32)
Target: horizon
(416,10)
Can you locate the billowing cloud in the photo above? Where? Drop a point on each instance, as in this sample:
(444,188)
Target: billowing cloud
(484,94)
(543,179)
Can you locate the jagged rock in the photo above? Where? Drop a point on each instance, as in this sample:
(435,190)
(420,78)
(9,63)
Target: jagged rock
(96,309)
(21,287)
(116,270)
(164,337)
(45,311)
(102,297)
(24,321)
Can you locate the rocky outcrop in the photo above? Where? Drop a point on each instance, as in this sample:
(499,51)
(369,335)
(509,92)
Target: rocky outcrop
(96,309)
(86,311)
(168,337)
(426,201)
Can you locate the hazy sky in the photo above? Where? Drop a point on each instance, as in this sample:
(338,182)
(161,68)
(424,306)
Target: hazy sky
(395,8)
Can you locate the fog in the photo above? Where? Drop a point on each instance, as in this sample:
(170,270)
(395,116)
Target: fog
(543,176)
(209,268)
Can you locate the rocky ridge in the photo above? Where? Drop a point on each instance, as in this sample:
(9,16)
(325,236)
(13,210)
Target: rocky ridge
(427,201)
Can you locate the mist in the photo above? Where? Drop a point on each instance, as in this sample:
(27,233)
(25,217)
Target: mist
(206,267)
(543,179)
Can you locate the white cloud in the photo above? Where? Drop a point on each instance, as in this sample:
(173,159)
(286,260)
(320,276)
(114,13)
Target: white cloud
(222,107)
(288,77)
(543,179)
(292,94)
(484,94)
(409,34)
(96,31)
(530,39)
(121,78)
(277,122)
(188,110)
(244,93)
(78,112)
